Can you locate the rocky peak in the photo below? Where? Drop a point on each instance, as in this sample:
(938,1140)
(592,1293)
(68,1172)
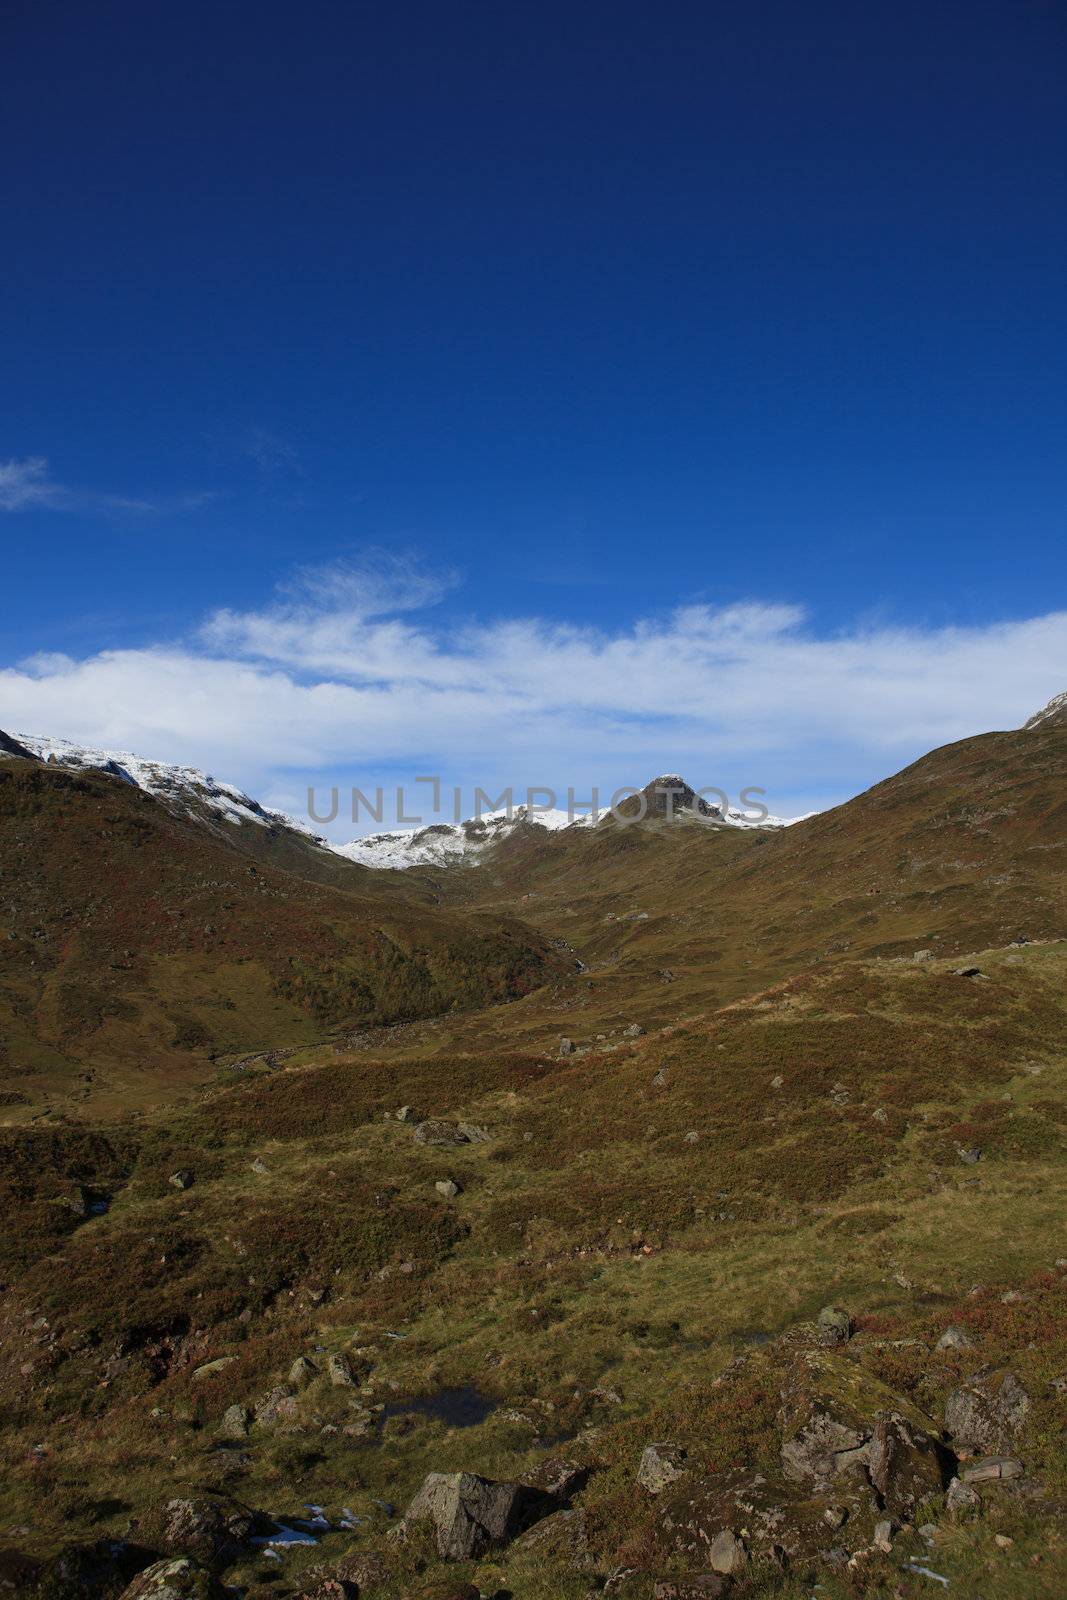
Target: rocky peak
(1054,715)
(669,795)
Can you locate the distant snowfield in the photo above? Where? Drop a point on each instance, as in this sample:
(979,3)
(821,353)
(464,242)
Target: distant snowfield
(440,845)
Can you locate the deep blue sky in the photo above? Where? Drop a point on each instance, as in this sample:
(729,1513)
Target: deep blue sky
(605,305)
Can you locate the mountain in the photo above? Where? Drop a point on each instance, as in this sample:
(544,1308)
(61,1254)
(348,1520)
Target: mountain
(1054,715)
(724,1258)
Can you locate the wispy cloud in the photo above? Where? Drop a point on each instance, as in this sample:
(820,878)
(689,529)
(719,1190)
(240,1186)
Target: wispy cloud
(347,669)
(271,454)
(27,483)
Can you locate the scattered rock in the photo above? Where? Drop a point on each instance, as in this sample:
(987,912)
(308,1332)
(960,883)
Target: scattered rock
(177,1578)
(990,1469)
(961,1499)
(211,1532)
(210,1369)
(835,1326)
(987,1411)
(971,1156)
(448,1188)
(437,1132)
(727,1554)
(182,1179)
(471,1515)
(339,1371)
(954,1338)
(302,1372)
(702,1586)
(660,1465)
(236,1421)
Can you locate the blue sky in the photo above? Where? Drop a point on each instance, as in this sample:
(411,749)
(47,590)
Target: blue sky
(711,356)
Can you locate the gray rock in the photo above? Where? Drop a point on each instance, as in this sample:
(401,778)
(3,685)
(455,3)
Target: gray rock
(777,1082)
(302,1372)
(260,1166)
(691,1137)
(990,1469)
(448,1188)
(566,1047)
(954,1338)
(236,1421)
(634,1031)
(969,1157)
(273,1405)
(835,1325)
(728,1555)
(209,1531)
(700,1586)
(961,1499)
(177,1578)
(883,1536)
(404,1114)
(661,1464)
(660,1081)
(182,1179)
(987,1412)
(438,1132)
(339,1371)
(471,1515)
(561,1538)
(558,1477)
(473,1133)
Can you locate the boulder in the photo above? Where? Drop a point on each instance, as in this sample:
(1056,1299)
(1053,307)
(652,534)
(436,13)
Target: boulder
(661,1464)
(954,1338)
(727,1554)
(835,1326)
(177,1578)
(990,1469)
(302,1372)
(987,1412)
(437,1132)
(557,1477)
(448,1188)
(275,1404)
(236,1421)
(562,1538)
(471,1515)
(182,1179)
(339,1371)
(961,1500)
(210,1531)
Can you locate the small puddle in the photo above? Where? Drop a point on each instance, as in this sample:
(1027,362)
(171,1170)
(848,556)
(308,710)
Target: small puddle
(465,1407)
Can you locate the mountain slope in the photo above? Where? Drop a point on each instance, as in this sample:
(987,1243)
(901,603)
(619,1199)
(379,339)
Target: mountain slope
(137,945)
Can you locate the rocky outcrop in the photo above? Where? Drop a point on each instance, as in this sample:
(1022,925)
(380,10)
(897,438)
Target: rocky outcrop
(661,1464)
(987,1412)
(177,1578)
(471,1515)
(211,1532)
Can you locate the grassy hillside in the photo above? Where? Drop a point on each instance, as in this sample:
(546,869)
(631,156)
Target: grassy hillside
(820,1068)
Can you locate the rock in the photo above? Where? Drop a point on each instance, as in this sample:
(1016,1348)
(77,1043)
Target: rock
(473,1133)
(727,1554)
(182,1179)
(835,1516)
(404,1114)
(566,1047)
(211,1369)
(954,1338)
(236,1421)
(835,1326)
(273,1405)
(211,1532)
(967,972)
(329,1589)
(177,1578)
(904,1464)
(961,1499)
(471,1515)
(261,1167)
(777,1082)
(339,1371)
(702,1586)
(557,1477)
(987,1412)
(561,1538)
(437,1132)
(660,1465)
(691,1137)
(970,1157)
(364,1568)
(73,1573)
(883,1536)
(448,1188)
(880,1114)
(302,1372)
(990,1469)
(660,1081)
(634,1031)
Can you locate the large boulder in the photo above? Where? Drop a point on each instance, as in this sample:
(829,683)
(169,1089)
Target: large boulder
(438,1132)
(661,1464)
(211,1532)
(987,1412)
(842,1428)
(471,1515)
(561,1539)
(177,1578)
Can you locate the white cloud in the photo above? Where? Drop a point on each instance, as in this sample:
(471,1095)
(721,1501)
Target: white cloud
(339,677)
(26,483)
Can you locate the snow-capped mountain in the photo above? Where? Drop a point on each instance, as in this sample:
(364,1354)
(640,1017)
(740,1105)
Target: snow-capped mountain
(183,789)
(1053,715)
(196,794)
